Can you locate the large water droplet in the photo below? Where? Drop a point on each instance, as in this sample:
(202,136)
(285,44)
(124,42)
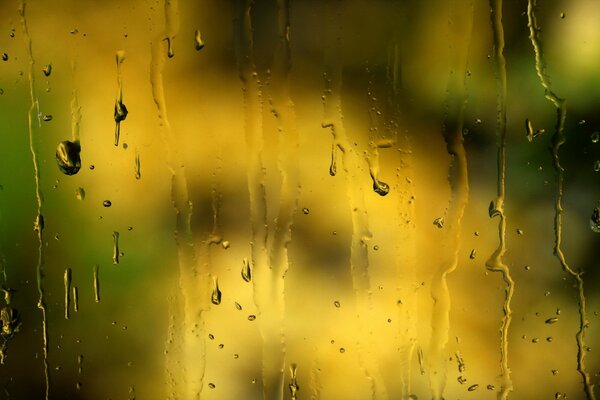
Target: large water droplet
(47,70)
(246,270)
(68,158)
(215,297)
(380,187)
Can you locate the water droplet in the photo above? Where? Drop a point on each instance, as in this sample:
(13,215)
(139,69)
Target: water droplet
(595,220)
(376,247)
(68,158)
(92,167)
(75,299)
(80,193)
(67,282)
(333,164)
(597,165)
(116,253)
(549,339)
(198,42)
(495,208)
(421,360)
(305,211)
(294,388)
(211,336)
(529,129)
(47,70)
(107,203)
(554,372)
(96,284)
(336,304)
(225,244)
(473,387)
(236,356)
(47,118)
(472,254)
(535,340)
(138,170)
(120,111)
(246,270)
(120,57)
(595,137)
(221,345)
(238,306)
(380,187)
(439,222)
(215,297)
(461,380)
(342,350)
(461,362)
(251,317)
(170,50)
(527,268)
(491,387)
(562,15)
(519,231)
(552,320)
(211,385)
(4,57)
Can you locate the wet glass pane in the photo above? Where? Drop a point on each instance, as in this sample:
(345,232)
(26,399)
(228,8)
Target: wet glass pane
(279,199)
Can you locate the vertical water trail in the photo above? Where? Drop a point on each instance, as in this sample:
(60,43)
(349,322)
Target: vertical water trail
(189,381)
(75,108)
(405,247)
(461,20)
(558,139)
(361,234)
(267,278)
(282,107)
(67,282)
(495,262)
(39,220)
(120,112)
(96,284)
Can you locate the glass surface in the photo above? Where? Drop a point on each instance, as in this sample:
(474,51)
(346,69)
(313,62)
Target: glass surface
(278,199)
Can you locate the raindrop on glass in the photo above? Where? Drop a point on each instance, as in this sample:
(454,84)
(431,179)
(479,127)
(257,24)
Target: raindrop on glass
(198,42)
(439,222)
(68,158)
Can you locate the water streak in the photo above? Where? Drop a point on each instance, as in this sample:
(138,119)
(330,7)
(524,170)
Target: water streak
(558,139)
(460,35)
(67,282)
(39,220)
(495,262)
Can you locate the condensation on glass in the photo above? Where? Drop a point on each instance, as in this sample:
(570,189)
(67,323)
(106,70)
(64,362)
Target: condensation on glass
(279,199)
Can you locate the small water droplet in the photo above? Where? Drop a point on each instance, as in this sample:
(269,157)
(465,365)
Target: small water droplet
(554,372)
(47,70)
(107,203)
(47,118)
(462,380)
(473,387)
(251,317)
(4,57)
(215,297)
(221,345)
(198,42)
(68,157)
(138,169)
(535,340)
(597,165)
(336,304)
(120,57)
(595,137)
(225,244)
(527,268)
(595,220)
(211,385)
(472,254)
(305,211)
(439,222)
(519,231)
(552,320)
(170,50)
(80,193)
(211,336)
(246,270)
(238,306)
(342,350)
(549,339)
(376,247)
(236,356)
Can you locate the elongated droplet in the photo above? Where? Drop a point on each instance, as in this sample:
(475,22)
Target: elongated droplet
(333,165)
(215,297)
(439,222)
(294,388)
(460,361)
(551,320)
(80,364)
(120,57)
(96,284)
(67,281)
(472,254)
(47,70)
(473,387)
(421,360)
(198,42)
(75,298)
(115,247)
(68,157)
(595,220)
(120,115)
(529,130)
(380,187)
(246,270)
(597,165)
(170,50)
(80,193)
(138,169)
